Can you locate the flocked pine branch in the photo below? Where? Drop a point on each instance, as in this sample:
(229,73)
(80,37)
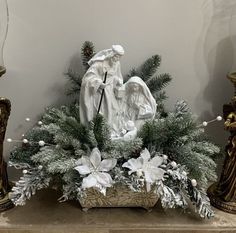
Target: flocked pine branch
(75,80)
(149,67)
(124,149)
(102,132)
(49,154)
(75,77)
(61,166)
(179,136)
(29,183)
(71,186)
(170,198)
(92,134)
(160,97)
(181,108)
(157,83)
(177,189)
(201,201)
(53,115)
(22,155)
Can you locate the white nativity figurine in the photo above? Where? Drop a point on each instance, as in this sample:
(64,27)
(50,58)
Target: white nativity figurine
(125,106)
(135,105)
(93,83)
(146,167)
(95,169)
(129,132)
(140,105)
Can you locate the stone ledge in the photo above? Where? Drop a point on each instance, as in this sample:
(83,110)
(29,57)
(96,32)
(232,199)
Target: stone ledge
(44,214)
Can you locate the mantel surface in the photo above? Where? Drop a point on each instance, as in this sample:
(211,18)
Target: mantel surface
(44,214)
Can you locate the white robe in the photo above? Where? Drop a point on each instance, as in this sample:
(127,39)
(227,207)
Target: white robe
(140,105)
(90,93)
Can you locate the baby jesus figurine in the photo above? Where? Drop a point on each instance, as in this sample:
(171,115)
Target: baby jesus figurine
(129,132)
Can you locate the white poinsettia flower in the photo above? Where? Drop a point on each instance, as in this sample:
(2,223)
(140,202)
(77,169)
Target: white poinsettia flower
(96,169)
(147,167)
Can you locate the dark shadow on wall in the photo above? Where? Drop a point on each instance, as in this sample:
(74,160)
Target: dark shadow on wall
(218,56)
(218,91)
(74,64)
(56,92)
(60,89)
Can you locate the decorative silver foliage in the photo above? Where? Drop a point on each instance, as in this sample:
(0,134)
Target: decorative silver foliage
(29,183)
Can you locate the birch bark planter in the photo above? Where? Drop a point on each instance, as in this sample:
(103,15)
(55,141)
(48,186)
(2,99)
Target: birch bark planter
(119,196)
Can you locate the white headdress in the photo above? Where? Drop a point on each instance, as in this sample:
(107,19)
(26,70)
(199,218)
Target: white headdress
(146,91)
(107,53)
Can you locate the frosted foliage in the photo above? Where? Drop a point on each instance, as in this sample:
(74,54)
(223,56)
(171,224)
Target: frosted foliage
(79,153)
(27,186)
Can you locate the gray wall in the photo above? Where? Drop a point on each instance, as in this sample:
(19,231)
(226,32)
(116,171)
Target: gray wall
(196,39)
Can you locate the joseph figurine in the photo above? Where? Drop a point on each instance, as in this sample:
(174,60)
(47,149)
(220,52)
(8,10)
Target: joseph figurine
(105,61)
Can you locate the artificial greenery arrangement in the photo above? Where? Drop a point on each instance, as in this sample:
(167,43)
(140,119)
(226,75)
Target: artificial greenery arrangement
(168,155)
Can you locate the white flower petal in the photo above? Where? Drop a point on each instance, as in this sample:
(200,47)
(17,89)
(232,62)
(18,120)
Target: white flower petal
(145,154)
(156,161)
(95,157)
(104,179)
(83,160)
(89,181)
(134,164)
(79,162)
(107,164)
(147,177)
(83,169)
(153,175)
(148,186)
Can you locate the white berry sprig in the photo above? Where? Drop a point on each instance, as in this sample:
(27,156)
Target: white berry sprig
(206,123)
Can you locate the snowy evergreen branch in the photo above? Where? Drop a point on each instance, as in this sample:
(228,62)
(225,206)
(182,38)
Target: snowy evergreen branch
(157,83)
(91,135)
(170,198)
(28,184)
(74,77)
(53,115)
(47,155)
(102,132)
(201,202)
(181,108)
(178,136)
(149,67)
(22,155)
(62,165)
(75,80)
(124,149)
(71,186)
(160,97)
